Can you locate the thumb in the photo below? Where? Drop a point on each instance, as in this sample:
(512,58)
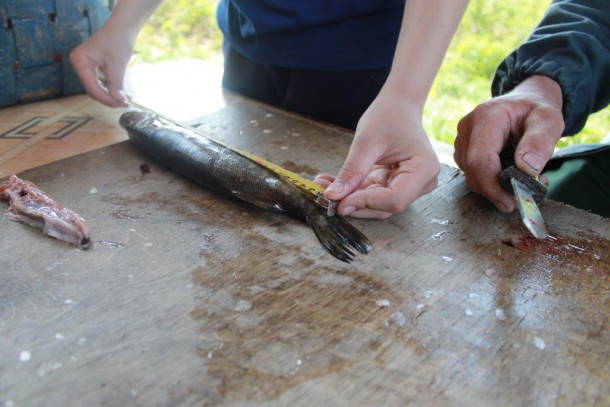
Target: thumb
(538,142)
(357,165)
(114,83)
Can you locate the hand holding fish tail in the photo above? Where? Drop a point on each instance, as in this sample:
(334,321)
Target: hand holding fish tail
(390,164)
(225,171)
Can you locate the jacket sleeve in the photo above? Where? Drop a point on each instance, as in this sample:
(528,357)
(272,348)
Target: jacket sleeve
(571,45)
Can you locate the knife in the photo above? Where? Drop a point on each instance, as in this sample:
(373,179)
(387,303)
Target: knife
(527,190)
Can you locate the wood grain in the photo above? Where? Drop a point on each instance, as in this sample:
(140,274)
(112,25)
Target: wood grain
(190,299)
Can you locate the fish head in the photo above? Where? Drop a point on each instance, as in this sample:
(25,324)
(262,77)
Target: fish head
(134,118)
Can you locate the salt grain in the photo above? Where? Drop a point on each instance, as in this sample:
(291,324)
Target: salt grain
(25,356)
(539,343)
(243,305)
(500,314)
(383,303)
(399,319)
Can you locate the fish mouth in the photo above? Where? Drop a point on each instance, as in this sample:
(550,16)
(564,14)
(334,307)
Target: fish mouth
(134,118)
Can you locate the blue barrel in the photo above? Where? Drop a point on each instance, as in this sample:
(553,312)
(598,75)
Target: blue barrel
(36,38)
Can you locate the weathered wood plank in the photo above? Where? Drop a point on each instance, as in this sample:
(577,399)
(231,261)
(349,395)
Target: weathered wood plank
(190,299)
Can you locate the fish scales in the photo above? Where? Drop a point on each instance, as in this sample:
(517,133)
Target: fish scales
(224,171)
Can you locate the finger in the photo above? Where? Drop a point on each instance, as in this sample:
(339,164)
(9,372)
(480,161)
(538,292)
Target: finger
(324,179)
(370,214)
(115,86)
(412,180)
(460,145)
(86,69)
(543,128)
(359,162)
(482,165)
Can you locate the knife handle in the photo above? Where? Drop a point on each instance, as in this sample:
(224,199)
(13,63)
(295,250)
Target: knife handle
(507,159)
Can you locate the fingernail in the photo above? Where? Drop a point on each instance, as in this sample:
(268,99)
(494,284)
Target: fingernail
(534,161)
(504,207)
(348,210)
(336,186)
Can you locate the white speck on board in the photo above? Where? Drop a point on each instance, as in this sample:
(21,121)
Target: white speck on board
(399,319)
(48,367)
(59,336)
(539,342)
(419,306)
(500,314)
(447,258)
(243,305)
(439,221)
(383,303)
(93,191)
(148,244)
(468,312)
(25,356)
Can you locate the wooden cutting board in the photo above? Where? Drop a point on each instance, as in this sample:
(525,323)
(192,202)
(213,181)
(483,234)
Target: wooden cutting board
(187,298)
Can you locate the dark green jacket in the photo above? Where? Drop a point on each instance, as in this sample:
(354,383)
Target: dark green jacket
(572,46)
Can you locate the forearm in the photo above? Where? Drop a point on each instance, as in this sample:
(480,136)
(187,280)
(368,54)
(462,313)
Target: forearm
(129,16)
(425,35)
(571,45)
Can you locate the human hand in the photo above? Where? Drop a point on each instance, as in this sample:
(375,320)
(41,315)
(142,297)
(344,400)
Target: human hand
(528,117)
(390,163)
(107,53)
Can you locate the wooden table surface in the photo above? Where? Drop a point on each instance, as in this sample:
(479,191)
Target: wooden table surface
(187,298)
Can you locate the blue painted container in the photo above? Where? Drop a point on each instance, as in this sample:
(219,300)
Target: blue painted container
(36,38)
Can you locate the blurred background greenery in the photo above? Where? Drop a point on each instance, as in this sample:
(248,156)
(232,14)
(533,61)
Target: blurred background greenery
(489,31)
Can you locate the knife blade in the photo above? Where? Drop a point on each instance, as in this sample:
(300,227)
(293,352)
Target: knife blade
(530,213)
(528,192)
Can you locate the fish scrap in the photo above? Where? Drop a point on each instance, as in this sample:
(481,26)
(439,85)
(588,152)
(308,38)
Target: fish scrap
(30,205)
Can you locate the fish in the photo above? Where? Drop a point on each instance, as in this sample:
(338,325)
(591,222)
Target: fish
(30,205)
(225,172)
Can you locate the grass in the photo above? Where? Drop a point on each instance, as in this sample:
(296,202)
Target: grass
(490,29)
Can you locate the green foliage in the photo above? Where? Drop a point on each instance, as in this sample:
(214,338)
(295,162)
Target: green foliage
(489,30)
(181,29)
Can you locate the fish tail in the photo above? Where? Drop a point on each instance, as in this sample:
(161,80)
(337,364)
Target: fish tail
(338,236)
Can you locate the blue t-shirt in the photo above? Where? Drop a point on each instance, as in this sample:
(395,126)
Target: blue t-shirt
(323,35)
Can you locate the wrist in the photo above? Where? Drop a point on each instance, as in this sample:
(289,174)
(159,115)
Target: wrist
(542,88)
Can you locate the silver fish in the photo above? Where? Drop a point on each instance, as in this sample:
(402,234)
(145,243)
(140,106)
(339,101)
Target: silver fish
(223,171)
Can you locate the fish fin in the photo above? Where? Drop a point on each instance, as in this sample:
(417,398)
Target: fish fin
(255,200)
(338,236)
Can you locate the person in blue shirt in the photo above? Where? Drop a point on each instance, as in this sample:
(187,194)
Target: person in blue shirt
(362,64)
(543,90)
